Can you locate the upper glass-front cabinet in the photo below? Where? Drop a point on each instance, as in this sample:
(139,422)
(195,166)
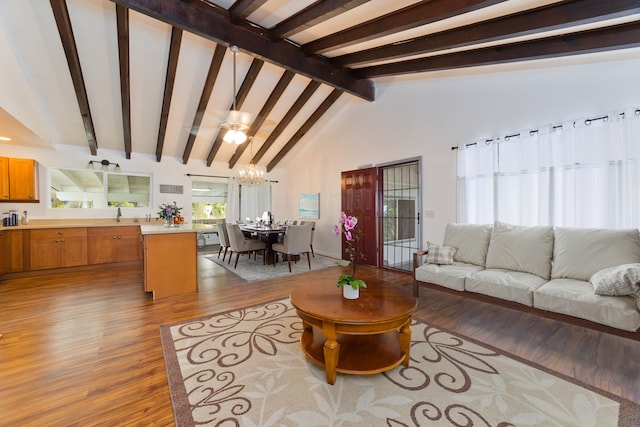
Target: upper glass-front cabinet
(94,189)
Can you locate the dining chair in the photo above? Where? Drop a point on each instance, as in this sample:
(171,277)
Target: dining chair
(313,230)
(295,242)
(243,245)
(224,239)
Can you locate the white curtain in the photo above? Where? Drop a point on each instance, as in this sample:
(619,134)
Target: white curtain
(254,200)
(233,201)
(578,174)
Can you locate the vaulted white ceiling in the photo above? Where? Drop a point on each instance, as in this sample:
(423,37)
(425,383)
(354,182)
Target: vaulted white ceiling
(39,105)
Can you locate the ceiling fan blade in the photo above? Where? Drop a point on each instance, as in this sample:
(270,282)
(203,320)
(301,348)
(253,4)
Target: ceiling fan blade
(238,117)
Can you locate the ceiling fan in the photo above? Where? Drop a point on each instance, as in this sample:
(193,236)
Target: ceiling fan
(236,122)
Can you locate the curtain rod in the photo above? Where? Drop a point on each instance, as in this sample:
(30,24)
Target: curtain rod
(219,176)
(554,127)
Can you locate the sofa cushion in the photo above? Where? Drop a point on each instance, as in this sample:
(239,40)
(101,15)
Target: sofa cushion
(450,276)
(579,253)
(519,248)
(576,298)
(509,285)
(618,280)
(470,240)
(442,255)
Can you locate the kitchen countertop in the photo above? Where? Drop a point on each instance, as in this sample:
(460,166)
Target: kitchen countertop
(161,229)
(35,224)
(154,227)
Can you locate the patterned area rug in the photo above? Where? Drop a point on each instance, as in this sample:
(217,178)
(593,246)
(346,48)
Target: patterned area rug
(253,269)
(245,367)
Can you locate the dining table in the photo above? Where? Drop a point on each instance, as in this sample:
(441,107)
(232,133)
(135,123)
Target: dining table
(268,234)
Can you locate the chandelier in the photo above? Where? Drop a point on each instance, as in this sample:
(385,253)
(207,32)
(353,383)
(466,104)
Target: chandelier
(251,174)
(237,128)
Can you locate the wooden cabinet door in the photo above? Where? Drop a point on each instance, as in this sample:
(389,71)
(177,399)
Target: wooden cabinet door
(16,250)
(129,245)
(102,245)
(44,249)
(4,178)
(1,253)
(73,251)
(73,248)
(23,184)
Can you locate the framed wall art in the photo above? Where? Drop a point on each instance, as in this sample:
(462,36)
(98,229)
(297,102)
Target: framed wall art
(310,206)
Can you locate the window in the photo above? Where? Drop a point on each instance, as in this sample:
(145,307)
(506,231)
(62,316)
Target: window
(579,174)
(92,189)
(209,200)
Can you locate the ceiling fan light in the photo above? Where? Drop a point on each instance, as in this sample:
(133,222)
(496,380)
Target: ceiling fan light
(240,137)
(230,136)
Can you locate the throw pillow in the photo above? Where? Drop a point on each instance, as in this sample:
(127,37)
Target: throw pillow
(442,255)
(618,280)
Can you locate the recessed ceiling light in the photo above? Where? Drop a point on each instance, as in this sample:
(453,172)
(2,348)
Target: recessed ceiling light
(4,138)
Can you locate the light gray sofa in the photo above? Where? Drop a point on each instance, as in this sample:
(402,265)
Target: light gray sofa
(543,267)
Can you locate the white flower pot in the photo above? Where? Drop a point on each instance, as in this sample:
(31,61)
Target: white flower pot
(349,293)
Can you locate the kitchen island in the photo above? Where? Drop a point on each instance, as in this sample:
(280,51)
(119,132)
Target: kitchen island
(170,260)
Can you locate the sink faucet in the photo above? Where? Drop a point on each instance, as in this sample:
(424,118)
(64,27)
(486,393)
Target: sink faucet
(118,215)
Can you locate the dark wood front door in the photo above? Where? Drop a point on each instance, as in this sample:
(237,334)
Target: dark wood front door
(359,190)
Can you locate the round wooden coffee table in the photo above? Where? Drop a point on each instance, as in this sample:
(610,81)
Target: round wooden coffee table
(364,336)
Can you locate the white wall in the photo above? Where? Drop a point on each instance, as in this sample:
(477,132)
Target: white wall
(425,117)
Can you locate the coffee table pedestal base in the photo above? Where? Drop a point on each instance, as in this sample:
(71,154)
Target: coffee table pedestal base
(356,354)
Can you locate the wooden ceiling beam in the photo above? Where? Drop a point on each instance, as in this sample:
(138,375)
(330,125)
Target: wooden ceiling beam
(243,8)
(247,83)
(598,40)
(422,13)
(172,66)
(122,18)
(212,75)
(284,122)
(61,15)
(214,23)
(312,120)
(557,16)
(311,15)
(275,95)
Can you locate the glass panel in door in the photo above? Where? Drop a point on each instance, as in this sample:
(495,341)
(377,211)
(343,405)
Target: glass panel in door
(400,221)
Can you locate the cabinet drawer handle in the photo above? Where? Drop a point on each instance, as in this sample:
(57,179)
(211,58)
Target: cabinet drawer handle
(62,240)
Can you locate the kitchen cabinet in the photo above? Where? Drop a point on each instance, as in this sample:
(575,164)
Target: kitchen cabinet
(1,252)
(4,178)
(170,263)
(60,247)
(114,244)
(19,180)
(15,251)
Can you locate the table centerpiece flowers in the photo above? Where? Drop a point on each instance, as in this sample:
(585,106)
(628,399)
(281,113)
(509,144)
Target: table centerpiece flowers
(347,226)
(170,213)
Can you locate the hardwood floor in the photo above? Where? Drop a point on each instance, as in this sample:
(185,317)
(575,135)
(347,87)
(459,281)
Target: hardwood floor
(84,348)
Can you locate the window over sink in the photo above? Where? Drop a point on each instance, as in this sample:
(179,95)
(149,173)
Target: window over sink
(95,189)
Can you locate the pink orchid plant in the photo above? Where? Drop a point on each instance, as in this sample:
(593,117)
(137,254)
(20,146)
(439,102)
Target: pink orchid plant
(347,225)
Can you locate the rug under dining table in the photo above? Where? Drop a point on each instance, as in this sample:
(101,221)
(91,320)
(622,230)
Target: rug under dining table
(251,269)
